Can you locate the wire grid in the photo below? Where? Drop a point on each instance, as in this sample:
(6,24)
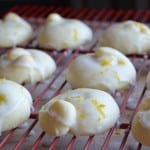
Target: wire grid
(97,20)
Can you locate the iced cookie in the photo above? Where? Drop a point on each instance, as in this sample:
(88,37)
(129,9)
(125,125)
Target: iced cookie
(14,30)
(107,69)
(129,37)
(15,105)
(80,112)
(26,65)
(61,33)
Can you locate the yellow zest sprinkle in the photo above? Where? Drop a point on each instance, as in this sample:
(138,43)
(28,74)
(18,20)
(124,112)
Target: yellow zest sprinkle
(2,99)
(99,107)
(82,116)
(75,34)
(106,62)
(121,62)
(74,97)
(117,76)
(2,80)
(65,44)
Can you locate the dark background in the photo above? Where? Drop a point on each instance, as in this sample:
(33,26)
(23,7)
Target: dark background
(116,4)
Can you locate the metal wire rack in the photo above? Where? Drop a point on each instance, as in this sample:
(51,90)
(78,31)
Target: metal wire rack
(118,137)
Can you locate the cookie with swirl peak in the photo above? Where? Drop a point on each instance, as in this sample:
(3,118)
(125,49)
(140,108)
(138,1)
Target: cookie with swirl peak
(14,30)
(106,69)
(81,111)
(26,65)
(129,37)
(15,104)
(61,33)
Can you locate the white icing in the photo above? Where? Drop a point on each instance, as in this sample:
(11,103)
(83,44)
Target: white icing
(42,66)
(144,118)
(66,113)
(90,119)
(14,30)
(72,33)
(122,37)
(109,70)
(33,60)
(14,95)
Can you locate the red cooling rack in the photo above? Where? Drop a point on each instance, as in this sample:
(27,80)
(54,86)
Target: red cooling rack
(97,20)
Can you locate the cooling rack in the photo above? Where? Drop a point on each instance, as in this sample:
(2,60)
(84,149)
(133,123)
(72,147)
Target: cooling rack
(30,136)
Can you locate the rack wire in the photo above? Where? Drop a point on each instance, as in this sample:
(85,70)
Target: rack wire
(119,136)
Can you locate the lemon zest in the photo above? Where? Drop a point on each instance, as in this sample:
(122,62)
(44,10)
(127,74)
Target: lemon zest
(99,107)
(2,99)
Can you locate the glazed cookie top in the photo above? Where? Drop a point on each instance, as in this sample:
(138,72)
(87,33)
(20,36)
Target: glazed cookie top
(81,112)
(11,96)
(129,37)
(61,33)
(14,30)
(106,69)
(34,62)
